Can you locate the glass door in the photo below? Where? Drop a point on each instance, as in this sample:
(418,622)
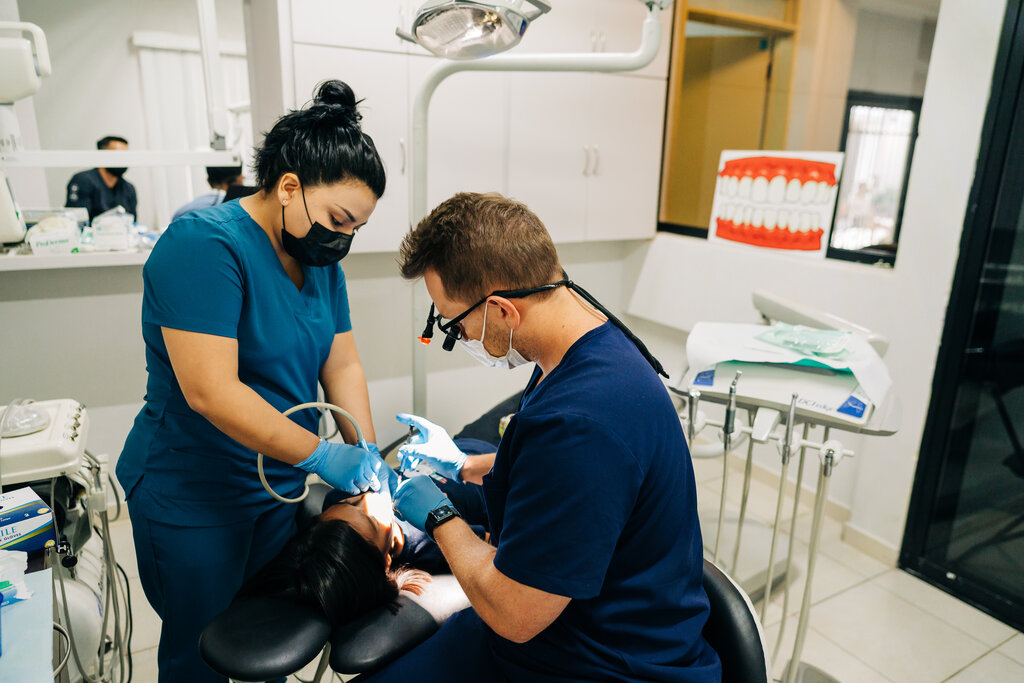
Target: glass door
(965,531)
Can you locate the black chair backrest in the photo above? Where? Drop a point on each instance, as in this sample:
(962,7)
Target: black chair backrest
(733,630)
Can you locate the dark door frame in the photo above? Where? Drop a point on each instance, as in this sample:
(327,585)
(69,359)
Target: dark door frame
(998,135)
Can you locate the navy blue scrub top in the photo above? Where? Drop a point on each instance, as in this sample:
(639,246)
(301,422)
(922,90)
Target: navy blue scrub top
(215,271)
(592,497)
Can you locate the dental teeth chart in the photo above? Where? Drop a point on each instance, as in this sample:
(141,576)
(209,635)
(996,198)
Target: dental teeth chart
(776,200)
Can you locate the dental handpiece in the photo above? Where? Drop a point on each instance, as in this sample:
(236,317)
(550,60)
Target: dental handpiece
(730,410)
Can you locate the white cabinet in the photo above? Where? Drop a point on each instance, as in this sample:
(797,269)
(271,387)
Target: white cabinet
(381,81)
(548,149)
(585,153)
(597,26)
(467,130)
(364,24)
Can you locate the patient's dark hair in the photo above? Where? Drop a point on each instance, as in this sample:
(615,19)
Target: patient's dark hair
(329,567)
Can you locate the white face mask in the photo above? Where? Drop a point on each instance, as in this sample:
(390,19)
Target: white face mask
(475,348)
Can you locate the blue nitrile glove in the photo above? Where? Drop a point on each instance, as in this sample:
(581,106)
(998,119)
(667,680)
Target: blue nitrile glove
(417,496)
(385,473)
(346,468)
(431,445)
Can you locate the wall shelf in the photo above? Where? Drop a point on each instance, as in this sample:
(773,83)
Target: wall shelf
(96,259)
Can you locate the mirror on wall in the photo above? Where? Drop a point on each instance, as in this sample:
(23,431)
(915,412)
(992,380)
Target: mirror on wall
(133,70)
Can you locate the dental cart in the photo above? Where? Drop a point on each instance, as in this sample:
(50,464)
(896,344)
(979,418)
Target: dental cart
(783,390)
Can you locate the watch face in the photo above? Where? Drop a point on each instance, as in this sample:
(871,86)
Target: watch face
(439,516)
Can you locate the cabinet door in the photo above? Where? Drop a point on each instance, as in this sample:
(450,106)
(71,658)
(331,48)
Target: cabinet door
(466,128)
(619,26)
(626,129)
(367,24)
(548,156)
(568,27)
(380,80)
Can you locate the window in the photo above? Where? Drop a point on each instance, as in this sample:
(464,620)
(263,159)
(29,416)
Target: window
(878,139)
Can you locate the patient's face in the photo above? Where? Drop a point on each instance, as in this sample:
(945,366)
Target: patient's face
(370,515)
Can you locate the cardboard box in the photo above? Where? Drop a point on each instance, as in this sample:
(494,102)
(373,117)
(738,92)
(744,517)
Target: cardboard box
(26,523)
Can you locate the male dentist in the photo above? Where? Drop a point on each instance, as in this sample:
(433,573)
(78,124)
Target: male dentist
(594,567)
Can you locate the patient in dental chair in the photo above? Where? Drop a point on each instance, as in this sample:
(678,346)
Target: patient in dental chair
(356,556)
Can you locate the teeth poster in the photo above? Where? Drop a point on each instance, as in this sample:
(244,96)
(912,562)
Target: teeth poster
(776,200)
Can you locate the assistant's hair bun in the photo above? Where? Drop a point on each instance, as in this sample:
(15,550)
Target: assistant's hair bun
(338,96)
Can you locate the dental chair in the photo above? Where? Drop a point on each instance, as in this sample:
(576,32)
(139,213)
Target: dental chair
(734,630)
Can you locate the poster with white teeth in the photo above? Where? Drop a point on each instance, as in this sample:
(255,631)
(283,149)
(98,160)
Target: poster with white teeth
(781,201)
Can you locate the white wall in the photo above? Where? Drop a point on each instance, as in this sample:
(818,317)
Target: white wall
(684,280)
(891,53)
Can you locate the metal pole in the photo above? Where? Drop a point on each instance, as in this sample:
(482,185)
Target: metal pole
(584,61)
(743,500)
(821,494)
(727,430)
(783,478)
(792,535)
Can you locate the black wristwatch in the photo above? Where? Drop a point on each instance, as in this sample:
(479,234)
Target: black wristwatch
(439,516)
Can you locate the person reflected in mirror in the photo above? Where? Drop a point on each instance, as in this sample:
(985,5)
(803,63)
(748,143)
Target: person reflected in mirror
(220,179)
(101,189)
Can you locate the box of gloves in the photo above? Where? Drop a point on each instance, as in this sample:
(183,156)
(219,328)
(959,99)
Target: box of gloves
(26,523)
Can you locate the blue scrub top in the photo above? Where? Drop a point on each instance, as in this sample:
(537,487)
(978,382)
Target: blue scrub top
(592,497)
(216,272)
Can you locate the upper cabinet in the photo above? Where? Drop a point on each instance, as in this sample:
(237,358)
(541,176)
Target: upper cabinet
(597,26)
(583,150)
(362,24)
(380,80)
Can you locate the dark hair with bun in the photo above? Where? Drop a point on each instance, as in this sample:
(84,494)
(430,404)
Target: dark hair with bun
(321,143)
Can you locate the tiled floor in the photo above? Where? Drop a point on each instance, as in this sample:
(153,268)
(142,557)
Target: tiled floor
(869,622)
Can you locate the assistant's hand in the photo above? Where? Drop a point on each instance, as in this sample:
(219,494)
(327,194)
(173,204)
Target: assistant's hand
(433,446)
(385,474)
(346,468)
(416,497)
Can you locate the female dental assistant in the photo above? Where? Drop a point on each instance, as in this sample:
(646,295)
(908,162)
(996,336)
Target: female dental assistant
(244,310)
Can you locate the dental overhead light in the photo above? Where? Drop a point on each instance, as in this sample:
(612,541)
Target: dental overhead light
(461,29)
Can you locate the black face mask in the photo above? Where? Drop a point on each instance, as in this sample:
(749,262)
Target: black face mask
(319,247)
(117,172)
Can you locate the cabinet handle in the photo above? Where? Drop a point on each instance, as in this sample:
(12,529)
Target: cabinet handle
(586,160)
(601,40)
(597,162)
(593,41)
(401,144)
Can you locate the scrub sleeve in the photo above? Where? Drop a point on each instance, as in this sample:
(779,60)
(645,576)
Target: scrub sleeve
(201,521)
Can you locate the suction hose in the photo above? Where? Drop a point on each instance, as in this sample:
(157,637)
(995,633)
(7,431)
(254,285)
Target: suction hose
(302,406)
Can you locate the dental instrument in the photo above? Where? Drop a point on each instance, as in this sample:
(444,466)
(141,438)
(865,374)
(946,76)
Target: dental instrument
(360,441)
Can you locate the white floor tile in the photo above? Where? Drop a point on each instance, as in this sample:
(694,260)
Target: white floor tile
(990,668)
(832,544)
(124,545)
(955,612)
(144,666)
(1013,648)
(824,654)
(146,623)
(830,578)
(900,640)
(705,469)
(761,500)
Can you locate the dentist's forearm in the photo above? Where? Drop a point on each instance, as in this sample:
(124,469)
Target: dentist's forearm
(514,611)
